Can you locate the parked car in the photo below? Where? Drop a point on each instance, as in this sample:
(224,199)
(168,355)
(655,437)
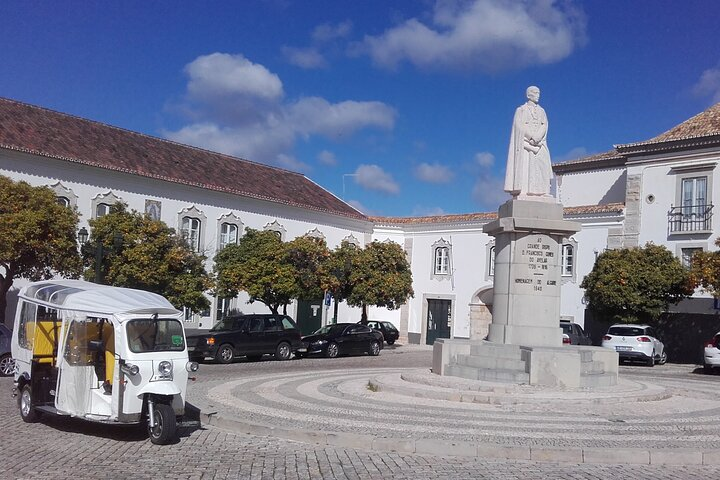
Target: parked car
(712,353)
(635,342)
(575,334)
(342,339)
(390,333)
(7,364)
(250,335)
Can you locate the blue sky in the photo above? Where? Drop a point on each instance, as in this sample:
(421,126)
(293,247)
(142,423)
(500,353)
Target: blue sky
(406,104)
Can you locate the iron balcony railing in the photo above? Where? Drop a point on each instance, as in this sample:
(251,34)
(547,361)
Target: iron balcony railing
(691,218)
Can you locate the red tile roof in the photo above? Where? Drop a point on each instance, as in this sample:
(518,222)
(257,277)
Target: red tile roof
(489,216)
(44,132)
(599,160)
(703,125)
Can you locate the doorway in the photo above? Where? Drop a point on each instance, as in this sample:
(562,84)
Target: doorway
(438,320)
(309,315)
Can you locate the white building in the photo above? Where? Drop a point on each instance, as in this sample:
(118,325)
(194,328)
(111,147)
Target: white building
(660,190)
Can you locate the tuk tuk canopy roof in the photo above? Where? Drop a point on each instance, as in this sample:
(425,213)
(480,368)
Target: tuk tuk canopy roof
(96,298)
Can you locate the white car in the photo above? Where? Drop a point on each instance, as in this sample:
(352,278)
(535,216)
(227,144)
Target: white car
(712,353)
(635,342)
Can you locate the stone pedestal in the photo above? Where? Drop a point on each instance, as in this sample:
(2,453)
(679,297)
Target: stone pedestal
(526,302)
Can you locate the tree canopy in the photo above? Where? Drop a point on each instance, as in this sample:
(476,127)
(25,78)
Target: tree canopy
(705,271)
(380,276)
(138,252)
(636,284)
(259,265)
(37,236)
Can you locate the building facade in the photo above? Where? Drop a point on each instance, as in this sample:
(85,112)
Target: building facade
(661,190)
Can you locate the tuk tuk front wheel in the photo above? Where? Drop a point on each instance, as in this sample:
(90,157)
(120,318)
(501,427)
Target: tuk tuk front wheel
(27,411)
(165,424)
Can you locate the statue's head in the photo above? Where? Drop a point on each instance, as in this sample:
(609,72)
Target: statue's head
(533,94)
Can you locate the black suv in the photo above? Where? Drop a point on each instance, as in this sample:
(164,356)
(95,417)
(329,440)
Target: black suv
(251,335)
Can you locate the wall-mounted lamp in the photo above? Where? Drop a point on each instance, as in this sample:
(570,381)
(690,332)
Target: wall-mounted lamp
(83,236)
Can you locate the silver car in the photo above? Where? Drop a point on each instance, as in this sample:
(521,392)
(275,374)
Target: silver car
(7,364)
(635,342)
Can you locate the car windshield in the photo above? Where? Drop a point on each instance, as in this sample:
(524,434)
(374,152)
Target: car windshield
(223,324)
(566,328)
(626,331)
(155,335)
(330,329)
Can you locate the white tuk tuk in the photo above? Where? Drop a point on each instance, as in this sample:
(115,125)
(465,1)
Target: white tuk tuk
(101,353)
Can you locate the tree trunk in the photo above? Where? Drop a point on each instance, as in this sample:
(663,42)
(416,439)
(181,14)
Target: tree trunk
(274,309)
(285,309)
(363,317)
(5,284)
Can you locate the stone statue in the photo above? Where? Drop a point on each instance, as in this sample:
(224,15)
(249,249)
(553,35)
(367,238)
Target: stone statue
(528,166)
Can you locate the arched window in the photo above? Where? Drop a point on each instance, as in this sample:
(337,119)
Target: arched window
(568,260)
(190,229)
(64,201)
(491,261)
(102,209)
(442,261)
(228,234)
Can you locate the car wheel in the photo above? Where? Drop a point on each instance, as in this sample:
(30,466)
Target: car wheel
(390,342)
(7,365)
(663,358)
(651,360)
(332,350)
(224,354)
(374,348)
(283,351)
(165,424)
(27,411)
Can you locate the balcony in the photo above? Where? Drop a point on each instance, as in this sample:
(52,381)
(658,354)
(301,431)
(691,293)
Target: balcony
(690,219)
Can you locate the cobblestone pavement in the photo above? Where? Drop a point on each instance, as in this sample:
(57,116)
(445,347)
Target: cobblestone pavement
(59,448)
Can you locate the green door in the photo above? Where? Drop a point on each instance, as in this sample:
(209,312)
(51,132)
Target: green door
(309,315)
(438,321)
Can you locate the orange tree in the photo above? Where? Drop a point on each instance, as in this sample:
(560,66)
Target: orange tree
(380,276)
(37,236)
(138,252)
(634,285)
(705,271)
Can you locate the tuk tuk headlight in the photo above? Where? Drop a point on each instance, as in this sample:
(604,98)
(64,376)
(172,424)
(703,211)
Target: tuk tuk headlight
(165,368)
(192,366)
(129,369)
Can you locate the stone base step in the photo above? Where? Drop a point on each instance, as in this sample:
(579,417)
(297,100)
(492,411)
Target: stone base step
(597,380)
(489,362)
(489,375)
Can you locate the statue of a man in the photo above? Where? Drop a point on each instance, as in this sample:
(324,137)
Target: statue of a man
(528,166)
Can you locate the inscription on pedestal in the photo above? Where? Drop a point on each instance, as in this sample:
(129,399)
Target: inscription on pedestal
(535,265)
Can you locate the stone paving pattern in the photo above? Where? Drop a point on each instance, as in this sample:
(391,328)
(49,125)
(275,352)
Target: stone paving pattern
(59,447)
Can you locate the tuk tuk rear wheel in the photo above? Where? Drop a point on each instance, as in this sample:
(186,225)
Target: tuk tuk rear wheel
(27,411)
(165,424)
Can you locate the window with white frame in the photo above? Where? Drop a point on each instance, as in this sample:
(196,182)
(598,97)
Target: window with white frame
(277,228)
(442,261)
(694,195)
(441,255)
(102,209)
(692,210)
(686,255)
(228,234)
(190,228)
(491,261)
(64,196)
(568,260)
(64,201)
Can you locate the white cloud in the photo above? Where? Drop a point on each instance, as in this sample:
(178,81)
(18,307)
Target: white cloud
(360,207)
(307,58)
(327,158)
(373,177)
(419,211)
(574,153)
(489,193)
(232,111)
(489,35)
(709,84)
(485,159)
(435,173)
(328,31)
(222,75)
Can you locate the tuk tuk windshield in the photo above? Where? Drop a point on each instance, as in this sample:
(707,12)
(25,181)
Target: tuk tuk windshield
(155,335)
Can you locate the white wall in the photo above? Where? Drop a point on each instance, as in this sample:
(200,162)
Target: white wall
(592,187)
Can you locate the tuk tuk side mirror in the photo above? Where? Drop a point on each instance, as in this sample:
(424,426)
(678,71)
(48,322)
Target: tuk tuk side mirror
(95,345)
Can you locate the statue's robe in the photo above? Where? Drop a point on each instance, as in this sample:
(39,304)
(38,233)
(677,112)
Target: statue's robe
(528,173)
